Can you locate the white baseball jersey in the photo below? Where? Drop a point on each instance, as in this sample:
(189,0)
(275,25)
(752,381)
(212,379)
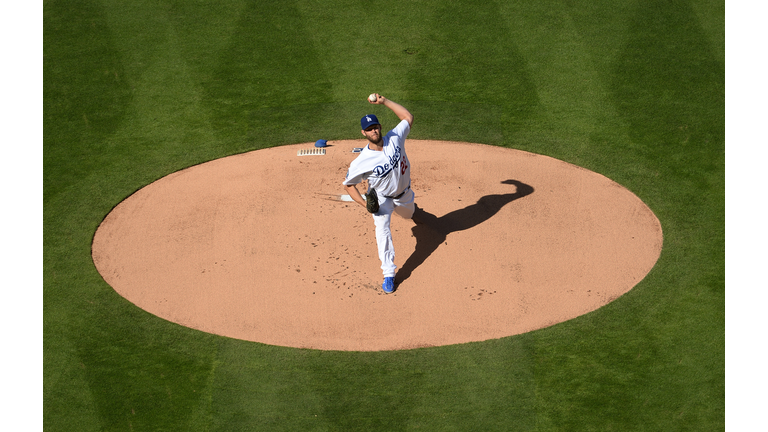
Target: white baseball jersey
(388,171)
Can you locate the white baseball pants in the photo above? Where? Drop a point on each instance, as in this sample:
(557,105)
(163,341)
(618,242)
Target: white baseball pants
(403,207)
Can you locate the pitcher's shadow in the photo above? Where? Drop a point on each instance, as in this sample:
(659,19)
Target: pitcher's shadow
(432,231)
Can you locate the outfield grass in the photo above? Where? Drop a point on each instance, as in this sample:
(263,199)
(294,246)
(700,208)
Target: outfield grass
(633,90)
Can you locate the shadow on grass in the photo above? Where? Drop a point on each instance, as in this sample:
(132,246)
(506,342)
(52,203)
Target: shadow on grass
(431,231)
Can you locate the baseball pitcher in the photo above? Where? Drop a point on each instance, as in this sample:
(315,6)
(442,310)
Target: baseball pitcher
(384,164)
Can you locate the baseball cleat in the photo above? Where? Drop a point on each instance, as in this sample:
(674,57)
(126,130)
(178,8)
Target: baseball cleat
(389,285)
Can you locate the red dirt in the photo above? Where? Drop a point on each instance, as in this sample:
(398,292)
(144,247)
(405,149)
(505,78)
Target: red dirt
(248,247)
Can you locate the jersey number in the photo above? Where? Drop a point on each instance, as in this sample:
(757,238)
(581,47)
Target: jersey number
(403,166)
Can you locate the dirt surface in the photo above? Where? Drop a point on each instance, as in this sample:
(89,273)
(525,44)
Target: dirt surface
(251,247)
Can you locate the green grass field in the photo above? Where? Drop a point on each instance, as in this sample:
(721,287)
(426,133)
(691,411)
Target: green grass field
(633,90)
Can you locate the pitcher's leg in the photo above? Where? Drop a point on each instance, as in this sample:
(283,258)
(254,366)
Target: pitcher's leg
(384,240)
(406,205)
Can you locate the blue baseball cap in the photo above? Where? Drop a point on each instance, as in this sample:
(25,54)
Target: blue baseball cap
(368,121)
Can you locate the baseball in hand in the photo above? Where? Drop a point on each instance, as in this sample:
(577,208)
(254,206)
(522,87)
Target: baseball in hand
(372,97)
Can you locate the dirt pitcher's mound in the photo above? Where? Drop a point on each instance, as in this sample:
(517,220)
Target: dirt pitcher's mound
(251,247)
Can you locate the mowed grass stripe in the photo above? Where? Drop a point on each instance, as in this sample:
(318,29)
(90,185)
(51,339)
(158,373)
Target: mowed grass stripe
(85,94)
(365,48)
(467,76)
(104,357)
(655,73)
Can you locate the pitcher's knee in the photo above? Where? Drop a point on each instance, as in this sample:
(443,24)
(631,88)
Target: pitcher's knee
(405,212)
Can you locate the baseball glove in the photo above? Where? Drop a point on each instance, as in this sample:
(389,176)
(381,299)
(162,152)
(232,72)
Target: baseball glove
(372,201)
